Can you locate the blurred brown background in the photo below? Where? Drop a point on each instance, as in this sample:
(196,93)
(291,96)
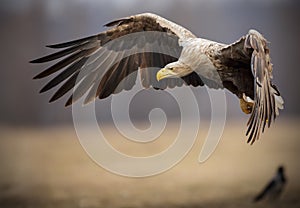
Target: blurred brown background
(41,161)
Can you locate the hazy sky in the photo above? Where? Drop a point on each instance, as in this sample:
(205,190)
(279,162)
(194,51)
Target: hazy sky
(28,25)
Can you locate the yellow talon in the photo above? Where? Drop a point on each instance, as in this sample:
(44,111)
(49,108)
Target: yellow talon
(246,106)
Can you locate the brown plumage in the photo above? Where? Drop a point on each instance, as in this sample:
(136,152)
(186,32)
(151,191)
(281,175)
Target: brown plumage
(100,65)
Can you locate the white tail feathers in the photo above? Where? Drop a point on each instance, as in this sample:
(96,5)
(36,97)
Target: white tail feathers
(278,103)
(278,100)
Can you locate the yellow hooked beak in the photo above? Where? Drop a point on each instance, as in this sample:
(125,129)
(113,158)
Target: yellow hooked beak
(164,73)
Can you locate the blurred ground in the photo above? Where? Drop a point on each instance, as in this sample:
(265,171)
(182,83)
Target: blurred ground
(47,167)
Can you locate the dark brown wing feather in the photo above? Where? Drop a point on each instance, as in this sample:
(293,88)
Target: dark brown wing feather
(94,63)
(248,70)
(265,106)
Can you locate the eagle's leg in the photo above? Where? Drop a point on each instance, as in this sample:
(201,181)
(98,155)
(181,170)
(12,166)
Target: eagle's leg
(246,104)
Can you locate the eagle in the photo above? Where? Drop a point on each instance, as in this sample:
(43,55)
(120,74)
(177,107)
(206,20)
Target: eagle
(98,65)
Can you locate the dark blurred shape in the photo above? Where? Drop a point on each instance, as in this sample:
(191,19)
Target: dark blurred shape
(274,188)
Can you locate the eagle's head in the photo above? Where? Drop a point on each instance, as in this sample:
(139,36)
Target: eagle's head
(173,70)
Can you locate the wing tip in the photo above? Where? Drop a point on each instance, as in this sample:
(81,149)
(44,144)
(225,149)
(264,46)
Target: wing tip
(43,90)
(39,76)
(118,22)
(67,105)
(55,98)
(69,101)
(36,61)
(36,77)
(52,99)
(54,46)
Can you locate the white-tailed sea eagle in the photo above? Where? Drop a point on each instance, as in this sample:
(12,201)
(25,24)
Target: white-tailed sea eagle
(243,67)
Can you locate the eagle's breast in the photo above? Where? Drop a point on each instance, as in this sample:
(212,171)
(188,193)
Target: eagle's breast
(195,55)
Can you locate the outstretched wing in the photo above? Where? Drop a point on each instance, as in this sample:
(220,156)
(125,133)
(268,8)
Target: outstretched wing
(107,63)
(248,71)
(267,99)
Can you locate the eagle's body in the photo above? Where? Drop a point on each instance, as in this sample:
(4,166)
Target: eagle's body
(99,65)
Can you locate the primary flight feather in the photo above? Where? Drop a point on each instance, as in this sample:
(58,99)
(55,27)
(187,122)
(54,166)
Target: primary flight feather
(167,55)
